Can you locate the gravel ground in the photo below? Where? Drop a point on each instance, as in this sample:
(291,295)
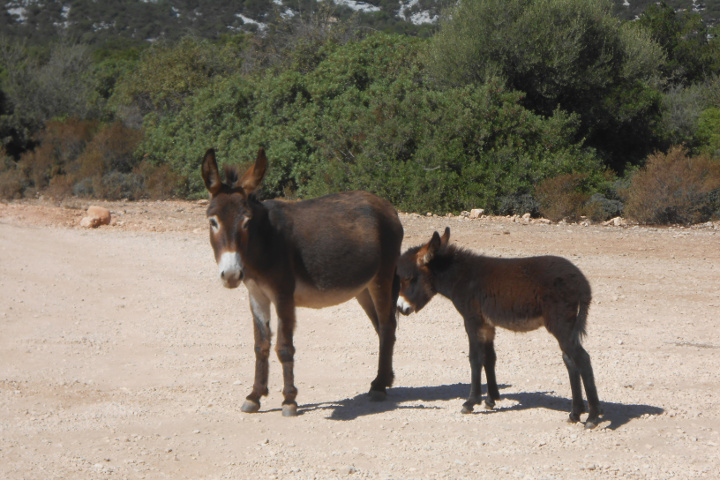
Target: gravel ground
(121,356)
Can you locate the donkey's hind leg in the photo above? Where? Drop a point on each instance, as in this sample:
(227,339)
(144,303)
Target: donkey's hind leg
(382,291)
(366,302)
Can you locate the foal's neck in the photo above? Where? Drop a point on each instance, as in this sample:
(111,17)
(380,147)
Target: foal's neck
(451,267)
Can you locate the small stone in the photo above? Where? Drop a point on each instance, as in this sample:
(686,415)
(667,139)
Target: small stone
(476,212)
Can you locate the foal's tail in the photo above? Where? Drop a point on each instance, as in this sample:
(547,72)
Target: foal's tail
(579,330)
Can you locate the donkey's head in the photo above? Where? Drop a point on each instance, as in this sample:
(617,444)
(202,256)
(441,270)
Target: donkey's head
(230,213)
(417,286)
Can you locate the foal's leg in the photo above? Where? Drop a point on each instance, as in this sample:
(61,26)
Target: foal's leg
(582,360)
(381,292)
(578,407)
(493,393)
(560,322)
(476,363)
(260,307)
(286,354)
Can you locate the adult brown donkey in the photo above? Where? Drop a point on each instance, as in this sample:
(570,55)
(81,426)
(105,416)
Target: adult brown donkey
(313,253)
(520,294)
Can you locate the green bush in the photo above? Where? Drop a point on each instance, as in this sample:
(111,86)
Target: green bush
(366,117)
(572,55)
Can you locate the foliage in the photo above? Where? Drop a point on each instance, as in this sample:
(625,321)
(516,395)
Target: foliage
(567,54)
(686,40)
(674,188)
(78,157)
(38,88)
(515,106)
(166,75)
(562,197)
(365,118)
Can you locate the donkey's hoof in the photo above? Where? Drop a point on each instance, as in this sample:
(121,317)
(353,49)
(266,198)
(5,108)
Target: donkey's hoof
(377,395)
(250,407)
(467,408)
(489,404)
(290,410)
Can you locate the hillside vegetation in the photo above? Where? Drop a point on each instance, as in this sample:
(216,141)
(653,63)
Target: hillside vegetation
(561,108)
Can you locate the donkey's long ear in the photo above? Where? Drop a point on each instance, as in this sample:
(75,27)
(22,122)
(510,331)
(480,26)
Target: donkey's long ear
(210,173)
(252,178)
(445,237)
(427,251)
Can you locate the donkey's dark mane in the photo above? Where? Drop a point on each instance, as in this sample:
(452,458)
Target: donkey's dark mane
(232,174)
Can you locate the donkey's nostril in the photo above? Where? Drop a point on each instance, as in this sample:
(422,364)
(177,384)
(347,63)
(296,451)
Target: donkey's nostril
(222,275)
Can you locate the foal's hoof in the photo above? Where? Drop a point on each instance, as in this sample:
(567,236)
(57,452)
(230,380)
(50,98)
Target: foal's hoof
(589,425)
(250,407)
(574,418)
(290,410)
(377,396)
(592,422)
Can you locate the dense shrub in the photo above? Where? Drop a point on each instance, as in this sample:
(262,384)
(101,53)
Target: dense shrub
(563,197)
(80,158)
(367,118)
(674,188)
(12,182)
(166,74)
(60,146)
(568,54)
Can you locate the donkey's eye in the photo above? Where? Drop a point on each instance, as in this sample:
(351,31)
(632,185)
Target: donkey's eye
(214,224)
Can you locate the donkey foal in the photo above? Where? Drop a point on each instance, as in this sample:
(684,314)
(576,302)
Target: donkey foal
(519,294)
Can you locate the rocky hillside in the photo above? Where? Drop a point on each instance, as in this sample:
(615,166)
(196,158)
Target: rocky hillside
(105,22)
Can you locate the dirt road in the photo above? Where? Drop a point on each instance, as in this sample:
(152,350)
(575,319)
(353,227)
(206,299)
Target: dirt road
(121,356)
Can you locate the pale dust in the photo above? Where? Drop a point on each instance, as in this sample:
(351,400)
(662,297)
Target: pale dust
(122,356)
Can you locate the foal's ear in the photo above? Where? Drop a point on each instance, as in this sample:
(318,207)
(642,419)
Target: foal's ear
(445,237)
(252,178)
(427,251)
(210,173)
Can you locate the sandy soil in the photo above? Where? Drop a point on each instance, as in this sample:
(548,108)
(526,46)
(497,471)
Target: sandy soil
(121,356)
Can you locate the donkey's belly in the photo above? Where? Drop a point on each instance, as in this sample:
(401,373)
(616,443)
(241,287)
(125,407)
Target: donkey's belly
(311,297)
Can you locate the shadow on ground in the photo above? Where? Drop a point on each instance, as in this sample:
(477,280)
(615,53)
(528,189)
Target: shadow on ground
(412,398)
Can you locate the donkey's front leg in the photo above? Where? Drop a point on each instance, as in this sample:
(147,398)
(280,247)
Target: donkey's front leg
(286,355)
(260,306)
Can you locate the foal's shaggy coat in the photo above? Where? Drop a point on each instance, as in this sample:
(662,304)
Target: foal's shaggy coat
(519,294)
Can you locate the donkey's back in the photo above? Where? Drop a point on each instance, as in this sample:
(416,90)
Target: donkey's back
(337,243)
